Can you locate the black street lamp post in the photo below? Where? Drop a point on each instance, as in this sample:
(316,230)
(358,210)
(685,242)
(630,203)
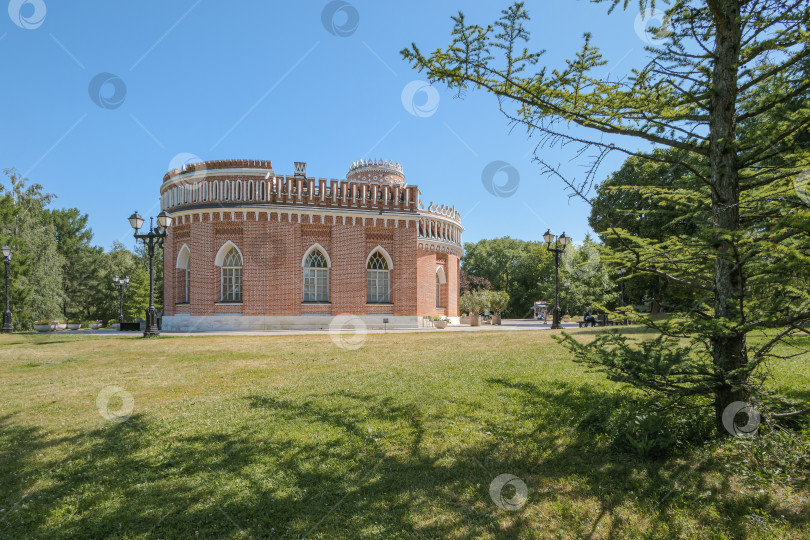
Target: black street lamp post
(6,329)
(567,284)
(153,239)
(621,272)
(122,285)
(559,246)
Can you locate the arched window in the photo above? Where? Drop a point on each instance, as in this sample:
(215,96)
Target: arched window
(184,275)
(316,275)
(377,279)
(231,263)
(441,279)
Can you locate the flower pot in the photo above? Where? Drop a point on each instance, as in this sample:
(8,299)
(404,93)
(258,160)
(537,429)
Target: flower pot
(44,327)
(94,326)
(496,319)
(74,326)
(61,326)
(464,319)
(475,320)
(440,324)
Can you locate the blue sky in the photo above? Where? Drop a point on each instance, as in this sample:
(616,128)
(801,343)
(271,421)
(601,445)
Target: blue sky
(272,80)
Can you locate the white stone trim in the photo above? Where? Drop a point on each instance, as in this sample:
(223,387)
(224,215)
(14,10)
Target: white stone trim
(219,259)
(314,246)
(385,254)
(236,322)
(441,275)
(184,258)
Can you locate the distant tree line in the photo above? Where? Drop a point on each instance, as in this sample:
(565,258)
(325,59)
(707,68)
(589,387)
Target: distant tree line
(56,274)
(524,269)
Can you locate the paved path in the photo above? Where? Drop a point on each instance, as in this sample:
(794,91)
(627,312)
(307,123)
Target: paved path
(507,325)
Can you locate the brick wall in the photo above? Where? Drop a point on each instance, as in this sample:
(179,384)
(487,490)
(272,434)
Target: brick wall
(273,246)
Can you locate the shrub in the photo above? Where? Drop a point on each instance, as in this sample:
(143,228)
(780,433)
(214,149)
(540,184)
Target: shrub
(636,425)
(474,302)
(498,301)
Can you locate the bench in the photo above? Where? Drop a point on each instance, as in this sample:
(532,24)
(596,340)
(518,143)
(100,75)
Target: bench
(130,327)
(603,320)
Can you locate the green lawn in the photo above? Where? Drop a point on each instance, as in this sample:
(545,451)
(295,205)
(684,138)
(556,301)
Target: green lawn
(273,436)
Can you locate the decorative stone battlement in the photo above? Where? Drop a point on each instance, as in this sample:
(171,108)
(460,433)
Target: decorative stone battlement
(375,163)
(376,171)
(221,164)
(441,210)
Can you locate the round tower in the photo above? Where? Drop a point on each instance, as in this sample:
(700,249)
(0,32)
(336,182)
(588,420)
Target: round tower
(376,172)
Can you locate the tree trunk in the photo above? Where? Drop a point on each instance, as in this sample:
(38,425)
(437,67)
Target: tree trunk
(728,347)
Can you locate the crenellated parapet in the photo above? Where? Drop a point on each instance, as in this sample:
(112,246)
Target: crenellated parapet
(253,185)
(229,183)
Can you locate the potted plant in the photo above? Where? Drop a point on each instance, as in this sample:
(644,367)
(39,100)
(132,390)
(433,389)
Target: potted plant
(440,322)
(94,325)
(469,303)
(498,300)
(478,304)
(113,323)
(464,307)
(44,326)
(74,325)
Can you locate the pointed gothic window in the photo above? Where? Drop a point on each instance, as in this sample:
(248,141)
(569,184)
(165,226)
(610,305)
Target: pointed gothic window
(316,277)
(377,280)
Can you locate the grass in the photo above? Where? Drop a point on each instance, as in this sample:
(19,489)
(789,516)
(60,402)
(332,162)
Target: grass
(291,436)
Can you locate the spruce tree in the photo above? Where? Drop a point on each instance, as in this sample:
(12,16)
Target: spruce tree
(726,92)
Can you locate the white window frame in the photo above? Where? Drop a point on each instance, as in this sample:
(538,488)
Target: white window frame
(232,274)
(441,279)
(184,264)
(378,281)
(317,277)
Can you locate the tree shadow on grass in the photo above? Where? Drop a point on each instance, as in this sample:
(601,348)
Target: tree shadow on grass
(348,465)
(134,479)
(686,479)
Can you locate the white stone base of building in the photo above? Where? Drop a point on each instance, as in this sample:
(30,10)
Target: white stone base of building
(237,322)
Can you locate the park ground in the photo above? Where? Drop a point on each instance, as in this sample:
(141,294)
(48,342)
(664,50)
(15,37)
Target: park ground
(291,436)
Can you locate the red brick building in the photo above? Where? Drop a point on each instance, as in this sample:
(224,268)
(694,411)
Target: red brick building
(249,249)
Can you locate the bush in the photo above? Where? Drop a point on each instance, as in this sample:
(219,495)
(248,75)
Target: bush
(498,301)
(634,425)
(474,302)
